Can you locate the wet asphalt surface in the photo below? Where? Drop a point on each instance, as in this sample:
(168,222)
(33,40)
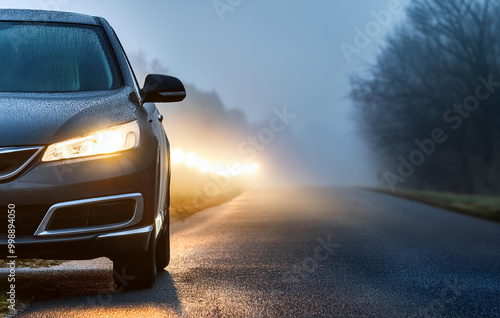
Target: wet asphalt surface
(315,252)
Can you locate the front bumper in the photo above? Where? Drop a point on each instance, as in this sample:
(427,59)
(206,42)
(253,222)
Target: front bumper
(83,247)
(44,185)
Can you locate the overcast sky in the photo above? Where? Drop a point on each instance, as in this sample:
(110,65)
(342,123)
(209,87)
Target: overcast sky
(263,55)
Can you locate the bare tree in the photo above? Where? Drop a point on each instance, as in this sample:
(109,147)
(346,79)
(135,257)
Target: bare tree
(425,72)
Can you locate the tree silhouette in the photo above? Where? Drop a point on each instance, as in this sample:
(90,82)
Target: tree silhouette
(428,76)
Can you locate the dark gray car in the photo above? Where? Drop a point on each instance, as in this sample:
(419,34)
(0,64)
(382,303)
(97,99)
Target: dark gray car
(84,159)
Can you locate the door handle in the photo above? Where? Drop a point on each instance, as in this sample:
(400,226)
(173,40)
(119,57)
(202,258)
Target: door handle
(160,118)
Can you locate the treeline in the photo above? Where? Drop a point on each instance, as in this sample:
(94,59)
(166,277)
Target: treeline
(430,105)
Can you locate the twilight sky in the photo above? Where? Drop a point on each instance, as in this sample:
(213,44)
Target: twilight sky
(262,55)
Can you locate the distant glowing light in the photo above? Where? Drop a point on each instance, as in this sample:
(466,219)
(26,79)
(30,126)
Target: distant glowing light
(218,168)
(177,156)
(203,165)
(250,168)
(247,168)
(255,168)
(191,160)
(235,169)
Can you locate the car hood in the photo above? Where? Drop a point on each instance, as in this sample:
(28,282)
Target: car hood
(43,118)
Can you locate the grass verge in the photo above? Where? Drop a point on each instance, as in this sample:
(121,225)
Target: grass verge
(485,207)
(4,310)
(192,191)
(184,205)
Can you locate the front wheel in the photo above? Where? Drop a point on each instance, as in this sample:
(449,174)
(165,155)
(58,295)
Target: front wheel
(163,250)
(136,270)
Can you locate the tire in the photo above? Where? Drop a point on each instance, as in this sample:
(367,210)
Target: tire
(136,270)
(163,250)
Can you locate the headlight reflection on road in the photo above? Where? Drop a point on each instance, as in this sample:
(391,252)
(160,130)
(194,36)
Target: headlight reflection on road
(192,160)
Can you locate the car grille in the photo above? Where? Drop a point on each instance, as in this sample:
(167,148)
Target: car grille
(14,159)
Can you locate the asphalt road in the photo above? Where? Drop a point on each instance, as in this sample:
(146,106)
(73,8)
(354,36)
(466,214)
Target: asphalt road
(303,253)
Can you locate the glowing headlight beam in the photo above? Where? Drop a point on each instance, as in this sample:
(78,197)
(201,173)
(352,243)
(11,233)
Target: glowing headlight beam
(177,156)
(192,160)
(203,165)
(255,168)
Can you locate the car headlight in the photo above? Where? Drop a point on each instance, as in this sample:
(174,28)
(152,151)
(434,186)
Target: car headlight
(108,141)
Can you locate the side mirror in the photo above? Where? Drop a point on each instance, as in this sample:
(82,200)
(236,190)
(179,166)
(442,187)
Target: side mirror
(162,89)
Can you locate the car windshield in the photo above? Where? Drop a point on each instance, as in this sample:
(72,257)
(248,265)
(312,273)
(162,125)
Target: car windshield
(55,57)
